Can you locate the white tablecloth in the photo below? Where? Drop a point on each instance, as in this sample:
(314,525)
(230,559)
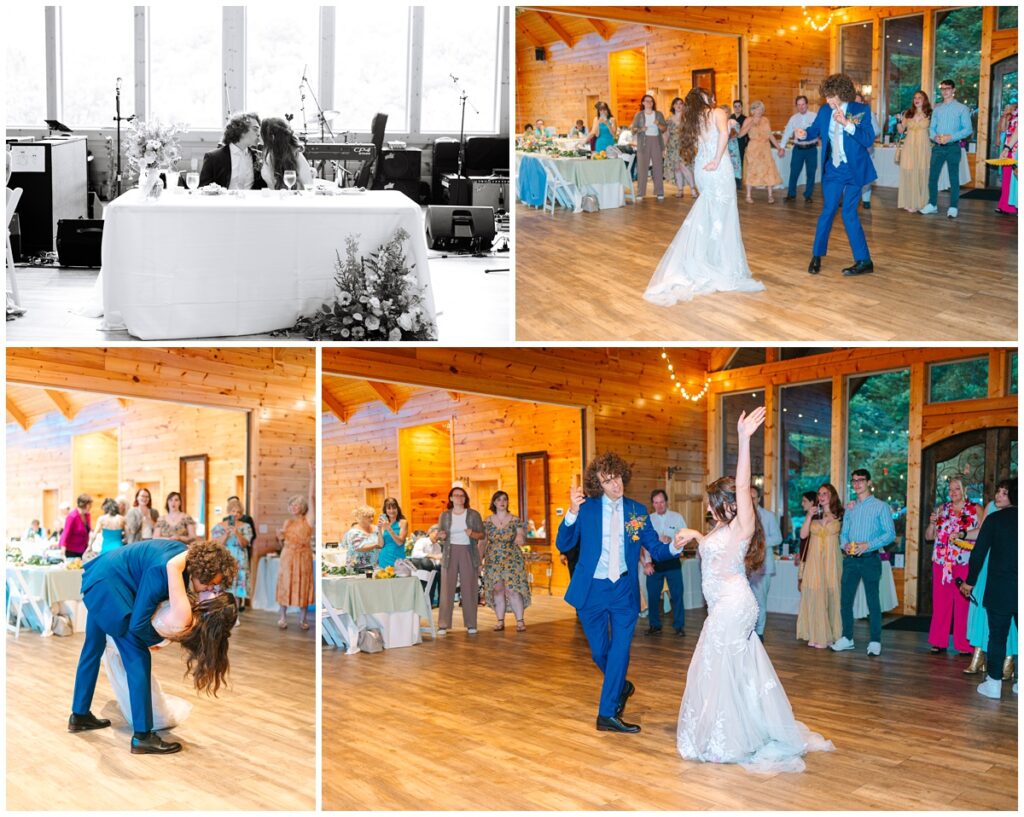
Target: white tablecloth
(264,596)
(885,165)
(186,266)
(58,590)
(783,596)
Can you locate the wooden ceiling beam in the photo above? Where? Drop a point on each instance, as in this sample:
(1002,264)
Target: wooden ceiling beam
(604,31)
(338,409)
(720,357)
(455,396)
(62,402)
(19,416)
(387,394)
(522,32)
(557,28)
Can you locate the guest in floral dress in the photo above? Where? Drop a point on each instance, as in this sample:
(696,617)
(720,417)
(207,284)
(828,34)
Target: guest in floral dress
(295,581)
(505,576)
(759,168)
(733,145)
(674,161)
(954,521)
(175,523)
(363,540)
(235,535)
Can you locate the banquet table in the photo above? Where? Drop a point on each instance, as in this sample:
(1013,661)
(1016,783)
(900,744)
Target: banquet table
(59,590)
(885,165)
(607,179)
(264,595)
(393,606)
(244,262)
(783,596)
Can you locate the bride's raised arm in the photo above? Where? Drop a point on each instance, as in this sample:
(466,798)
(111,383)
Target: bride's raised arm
(745,513)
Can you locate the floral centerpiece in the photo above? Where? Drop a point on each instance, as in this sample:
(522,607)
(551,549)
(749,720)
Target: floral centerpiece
(379,298)
(151,147)
(14,554)
(334,570)
(387,573)
(533,143)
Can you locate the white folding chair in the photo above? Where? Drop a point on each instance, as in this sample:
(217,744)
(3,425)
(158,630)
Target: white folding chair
(328,610)
(629,159)
(554,181)
(13,197)
(18,595)
(428,576)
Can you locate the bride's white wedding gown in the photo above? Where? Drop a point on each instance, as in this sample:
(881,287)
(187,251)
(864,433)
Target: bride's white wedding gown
(734,709)
(168,710)
(707,253)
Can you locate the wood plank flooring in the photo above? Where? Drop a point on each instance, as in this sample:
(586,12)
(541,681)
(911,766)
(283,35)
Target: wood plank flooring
(473,297)
(251,748)
(582,276)
(505,721)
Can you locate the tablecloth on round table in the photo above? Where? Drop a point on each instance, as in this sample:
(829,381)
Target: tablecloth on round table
(605,178)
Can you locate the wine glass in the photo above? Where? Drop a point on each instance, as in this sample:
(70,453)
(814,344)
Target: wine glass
(289,179)
(192,180)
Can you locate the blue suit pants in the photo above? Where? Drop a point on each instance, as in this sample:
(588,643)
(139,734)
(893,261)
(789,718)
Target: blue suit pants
(839,188)
(608,618)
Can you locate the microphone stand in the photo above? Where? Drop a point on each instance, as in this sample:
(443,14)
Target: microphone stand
(119,119)
(462,122)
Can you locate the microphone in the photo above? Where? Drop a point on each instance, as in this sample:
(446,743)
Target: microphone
(119,85)
(454,78)
(973,600)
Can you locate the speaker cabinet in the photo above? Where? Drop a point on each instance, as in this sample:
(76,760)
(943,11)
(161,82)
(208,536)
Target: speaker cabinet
(401,165)
(80,242)
(469,229)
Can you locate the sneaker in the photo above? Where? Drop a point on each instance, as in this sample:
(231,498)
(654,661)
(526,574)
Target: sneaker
(471,631)
(442,631)
(661,198)
(643,614)
(843,643)
(952,212)
(1015,689)
(928,209)
(990,688)
(875,648)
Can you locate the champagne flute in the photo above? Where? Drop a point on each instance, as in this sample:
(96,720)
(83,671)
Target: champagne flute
(192,180)
(289,179)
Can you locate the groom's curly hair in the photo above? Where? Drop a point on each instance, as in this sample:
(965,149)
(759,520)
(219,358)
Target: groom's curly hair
(206,559)
(607,463)
(838,85)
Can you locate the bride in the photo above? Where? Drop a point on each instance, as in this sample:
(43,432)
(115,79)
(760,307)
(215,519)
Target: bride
(734,709)
(707,253)
(201,623)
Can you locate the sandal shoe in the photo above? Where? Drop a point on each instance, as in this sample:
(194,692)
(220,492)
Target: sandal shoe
(520,626)
(304,625)
(282,624)
(749,200)
(499,626)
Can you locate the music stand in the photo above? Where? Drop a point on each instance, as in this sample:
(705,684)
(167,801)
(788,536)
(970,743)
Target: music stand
(54,125)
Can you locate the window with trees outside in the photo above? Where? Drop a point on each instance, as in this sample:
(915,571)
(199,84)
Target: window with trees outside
(903,46)
(958,55)
(959,380)
(855,49)
(192,97)
(371,69)
(280,41)
(97,46)
(1012,385)
(877,438)
(732,406)
(26,64)
(805,423)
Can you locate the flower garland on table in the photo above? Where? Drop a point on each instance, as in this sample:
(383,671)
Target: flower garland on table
(531,143)
(378,299)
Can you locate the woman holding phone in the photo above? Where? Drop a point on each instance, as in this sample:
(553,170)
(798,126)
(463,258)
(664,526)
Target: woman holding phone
(394,529)
(819,622)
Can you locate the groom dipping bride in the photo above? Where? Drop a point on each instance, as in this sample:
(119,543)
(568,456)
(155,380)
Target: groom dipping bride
(139,595)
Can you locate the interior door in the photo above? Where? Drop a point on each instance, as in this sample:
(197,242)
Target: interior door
(981,458)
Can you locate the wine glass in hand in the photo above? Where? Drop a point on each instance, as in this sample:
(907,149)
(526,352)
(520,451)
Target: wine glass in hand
(192,180)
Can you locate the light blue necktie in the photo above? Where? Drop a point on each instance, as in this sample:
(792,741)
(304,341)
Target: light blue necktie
(838,154)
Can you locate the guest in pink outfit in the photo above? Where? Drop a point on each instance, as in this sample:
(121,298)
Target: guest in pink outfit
(954,521)
(75,538)
(1007,202)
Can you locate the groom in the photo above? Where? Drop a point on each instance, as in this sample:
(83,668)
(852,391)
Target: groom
(844,127)
(121,590)
(609,530)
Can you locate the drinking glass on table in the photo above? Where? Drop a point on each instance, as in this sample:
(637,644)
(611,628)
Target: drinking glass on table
(192,180)
(289,179)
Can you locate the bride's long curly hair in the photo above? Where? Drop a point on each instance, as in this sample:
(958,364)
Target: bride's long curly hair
(722,499)
(206,641)
(282,146)
(696,108)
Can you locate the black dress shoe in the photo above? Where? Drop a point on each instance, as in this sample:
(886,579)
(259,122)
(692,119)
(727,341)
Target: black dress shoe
(615,724)
(860,268)
(790,198)
(680,631)
(82,723)
(937,650)
(653,630)
(808,199)
(866,205)
(628,689)
(153,744)
(815,266)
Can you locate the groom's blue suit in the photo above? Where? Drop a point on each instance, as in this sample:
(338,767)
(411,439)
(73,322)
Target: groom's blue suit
(844,183)
(608,610)
(122,589)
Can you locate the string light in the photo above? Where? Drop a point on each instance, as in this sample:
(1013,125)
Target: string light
(677,384)
(809,21)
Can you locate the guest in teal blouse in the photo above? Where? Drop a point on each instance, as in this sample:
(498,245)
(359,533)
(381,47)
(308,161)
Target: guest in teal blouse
(394,528)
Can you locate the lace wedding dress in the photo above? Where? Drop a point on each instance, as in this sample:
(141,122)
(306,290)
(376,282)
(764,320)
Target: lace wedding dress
(734,709)
(707,253)
(168,710)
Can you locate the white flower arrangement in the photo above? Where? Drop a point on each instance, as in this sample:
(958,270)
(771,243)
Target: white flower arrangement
(150,145)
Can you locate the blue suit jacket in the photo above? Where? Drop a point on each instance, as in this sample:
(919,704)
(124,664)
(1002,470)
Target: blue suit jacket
(586,532)
(123,587)
(856,146)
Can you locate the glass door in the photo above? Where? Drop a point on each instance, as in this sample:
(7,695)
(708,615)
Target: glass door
(1004,92)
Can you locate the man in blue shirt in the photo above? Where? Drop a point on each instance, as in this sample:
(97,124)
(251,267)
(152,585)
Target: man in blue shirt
(951,124)
(867,528)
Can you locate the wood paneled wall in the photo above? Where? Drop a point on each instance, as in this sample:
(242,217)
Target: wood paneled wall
(780,58)
(277,385)
(148,437)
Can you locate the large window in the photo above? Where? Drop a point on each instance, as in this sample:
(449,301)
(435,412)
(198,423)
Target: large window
(903,48)
(732,406)
(746,356)
(1012,385)
(878,432)
(26,64)
(98,46)
(448,32)
(855,52)
(371,69)
(794,352)
(805,421)
(193,97)
(960,380)
(281,43)
(1006,17)
(958,55)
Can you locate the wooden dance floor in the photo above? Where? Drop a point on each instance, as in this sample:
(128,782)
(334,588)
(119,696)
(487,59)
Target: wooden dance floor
(252,748)
(505,721)
(582,276)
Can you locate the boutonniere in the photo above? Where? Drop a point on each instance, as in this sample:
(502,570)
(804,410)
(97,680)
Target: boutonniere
(855,119)
(635,525)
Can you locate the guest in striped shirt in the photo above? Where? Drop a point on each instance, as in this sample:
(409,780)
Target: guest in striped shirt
(867,528)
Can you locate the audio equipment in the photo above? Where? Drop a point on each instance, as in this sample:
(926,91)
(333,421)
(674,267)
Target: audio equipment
(444,158)
(400,165)
(467,229)
(80,242)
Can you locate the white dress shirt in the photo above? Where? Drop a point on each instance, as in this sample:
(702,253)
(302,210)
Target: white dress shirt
(241,168)
(799,120)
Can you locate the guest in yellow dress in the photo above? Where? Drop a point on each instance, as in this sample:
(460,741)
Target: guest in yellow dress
(819,621)
(505,577)
(295,581)
(915,155)
(759,168)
